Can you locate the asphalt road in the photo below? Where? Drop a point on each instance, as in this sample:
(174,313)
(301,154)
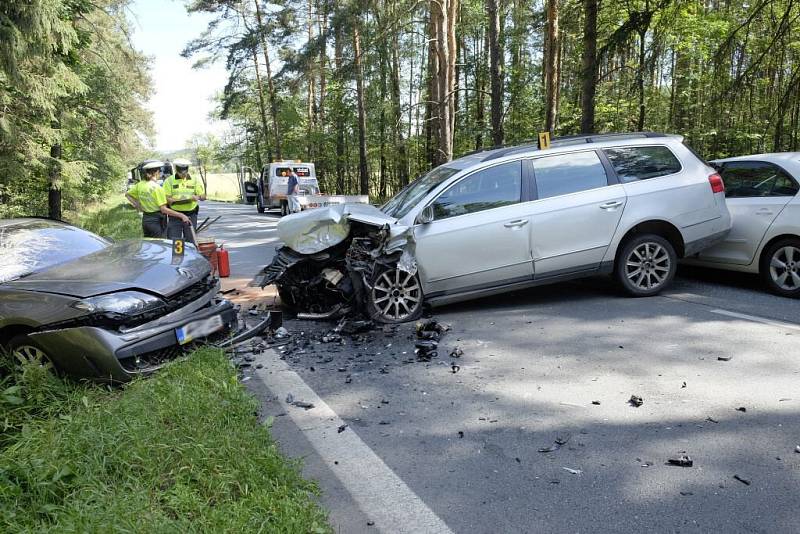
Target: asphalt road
(467,443)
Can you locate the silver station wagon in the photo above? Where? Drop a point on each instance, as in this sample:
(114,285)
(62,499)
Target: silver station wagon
(506,219)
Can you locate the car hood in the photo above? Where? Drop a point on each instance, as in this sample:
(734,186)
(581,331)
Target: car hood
(315,230)
(145,265)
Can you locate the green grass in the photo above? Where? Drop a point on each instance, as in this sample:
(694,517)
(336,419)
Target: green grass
(179,452)
(116,219)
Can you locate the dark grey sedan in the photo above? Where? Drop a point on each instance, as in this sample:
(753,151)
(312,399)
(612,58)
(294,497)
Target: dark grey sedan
(98,309)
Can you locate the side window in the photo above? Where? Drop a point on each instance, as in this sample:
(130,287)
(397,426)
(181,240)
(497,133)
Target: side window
(568,173)
(494,187)
(642,162)
(282,171)
(756,179)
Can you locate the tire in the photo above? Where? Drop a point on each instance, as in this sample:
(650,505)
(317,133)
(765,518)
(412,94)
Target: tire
(22,349)
(395,297)
(259,206)
(780,268)
(645,265)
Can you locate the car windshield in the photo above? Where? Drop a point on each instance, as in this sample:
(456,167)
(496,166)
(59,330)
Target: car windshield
(408,197)
(34,245)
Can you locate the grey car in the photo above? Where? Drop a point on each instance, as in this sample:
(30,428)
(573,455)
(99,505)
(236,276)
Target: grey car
(98,309)
(762,191)
(505,219)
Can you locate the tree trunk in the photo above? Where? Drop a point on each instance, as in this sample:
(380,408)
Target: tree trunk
(432,101)
(273,100)
(311,97)
(339,115)
(322,21)
(401,161)
(640,78)
(54,190)
(495,71)
(551,67)
(589,66)
(262,107)
(480,81)
(443,14)
(363,174)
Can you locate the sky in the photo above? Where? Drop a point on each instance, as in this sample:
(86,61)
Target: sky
(182,98)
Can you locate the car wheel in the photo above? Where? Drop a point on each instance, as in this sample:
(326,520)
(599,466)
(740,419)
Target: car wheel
(646,265)
(780,268)
(395,297)
(23,349)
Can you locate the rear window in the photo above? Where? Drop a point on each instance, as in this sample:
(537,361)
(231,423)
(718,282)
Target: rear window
(568,173)
(642,162)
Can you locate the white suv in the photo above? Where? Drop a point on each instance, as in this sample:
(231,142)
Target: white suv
(508,218)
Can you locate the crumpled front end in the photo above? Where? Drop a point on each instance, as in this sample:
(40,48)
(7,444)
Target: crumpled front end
(337,279)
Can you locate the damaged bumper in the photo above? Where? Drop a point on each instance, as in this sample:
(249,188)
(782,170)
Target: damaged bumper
(331,260)
(120,355)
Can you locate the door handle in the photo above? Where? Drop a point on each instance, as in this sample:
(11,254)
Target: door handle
(610,205)
(518,222)
(764,211)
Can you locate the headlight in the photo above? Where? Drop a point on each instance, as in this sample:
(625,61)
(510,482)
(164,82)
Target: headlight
(125,302)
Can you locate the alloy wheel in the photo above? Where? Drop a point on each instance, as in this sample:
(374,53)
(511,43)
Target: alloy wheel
(784,268)
(648,266)
(396,294)
(30,354)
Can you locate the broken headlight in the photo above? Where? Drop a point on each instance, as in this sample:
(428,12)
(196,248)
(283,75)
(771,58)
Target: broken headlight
(124,302)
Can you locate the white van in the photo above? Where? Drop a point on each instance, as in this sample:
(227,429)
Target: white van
(273,185)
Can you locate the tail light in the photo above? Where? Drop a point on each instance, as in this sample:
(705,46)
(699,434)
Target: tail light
(717,185)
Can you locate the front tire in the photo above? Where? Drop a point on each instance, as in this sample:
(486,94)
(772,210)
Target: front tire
(23,349)
(646,265)
(395,297)
(780,268)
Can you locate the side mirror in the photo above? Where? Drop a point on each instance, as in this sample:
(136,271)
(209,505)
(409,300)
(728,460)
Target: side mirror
(426,215)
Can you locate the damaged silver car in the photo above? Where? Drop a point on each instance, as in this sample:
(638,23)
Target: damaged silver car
(505,219)
(102,310)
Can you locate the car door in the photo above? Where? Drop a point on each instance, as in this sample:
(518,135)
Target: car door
(479,237)
(576,214)
(756,192)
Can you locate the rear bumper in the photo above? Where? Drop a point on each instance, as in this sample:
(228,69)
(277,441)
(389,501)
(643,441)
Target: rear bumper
(118,356)
(703,243)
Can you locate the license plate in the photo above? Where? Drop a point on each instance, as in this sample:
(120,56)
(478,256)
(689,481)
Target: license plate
(198,329)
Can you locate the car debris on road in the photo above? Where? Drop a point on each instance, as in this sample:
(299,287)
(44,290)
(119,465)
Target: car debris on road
(635,401)
(681,461)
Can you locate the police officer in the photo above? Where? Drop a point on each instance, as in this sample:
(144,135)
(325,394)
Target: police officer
(148,197)
(183,192)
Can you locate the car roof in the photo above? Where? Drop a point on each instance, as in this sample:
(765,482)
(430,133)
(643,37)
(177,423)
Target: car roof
(563,144)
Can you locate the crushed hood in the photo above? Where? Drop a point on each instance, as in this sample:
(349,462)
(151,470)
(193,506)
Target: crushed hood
(136,264)
(315,230)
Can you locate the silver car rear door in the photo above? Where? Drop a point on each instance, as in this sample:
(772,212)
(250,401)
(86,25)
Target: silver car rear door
(577,212)
(756,192)
(479,237)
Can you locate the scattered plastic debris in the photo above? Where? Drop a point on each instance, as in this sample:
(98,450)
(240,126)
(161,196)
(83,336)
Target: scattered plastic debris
(559,441)
(455,368)
(281,333)
(635,401)
(596,403)
(686,493)
(303,404)
(461,434)
(681,461)
(724,358)
(743,480)
(426,349)
(797,449)
(456,353)
(741,409)
(341,429)
(289,398)
(572,471)
(684,385)
(712,420)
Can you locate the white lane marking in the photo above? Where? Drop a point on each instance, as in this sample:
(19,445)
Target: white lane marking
(757,319)
(381,494)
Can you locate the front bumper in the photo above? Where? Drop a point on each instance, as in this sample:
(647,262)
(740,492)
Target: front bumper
(118,356)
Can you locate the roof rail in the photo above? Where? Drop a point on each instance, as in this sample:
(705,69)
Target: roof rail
(573,140)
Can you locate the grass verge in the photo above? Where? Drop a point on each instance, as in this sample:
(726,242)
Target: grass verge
(179,452)
(116,219)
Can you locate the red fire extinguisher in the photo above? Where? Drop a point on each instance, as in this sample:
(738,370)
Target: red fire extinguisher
(223,264)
